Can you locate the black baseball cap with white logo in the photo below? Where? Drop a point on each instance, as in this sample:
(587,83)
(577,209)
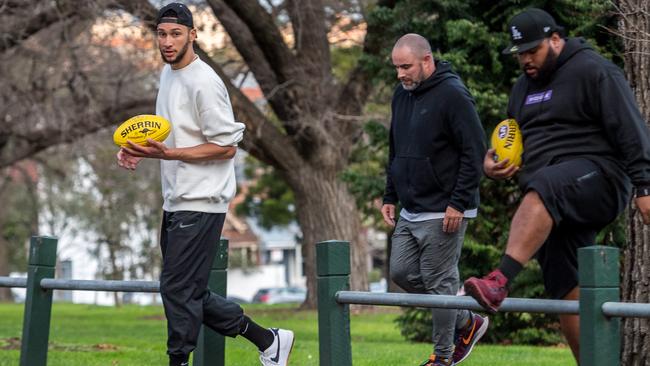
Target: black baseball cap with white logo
(528,29)
(183,15)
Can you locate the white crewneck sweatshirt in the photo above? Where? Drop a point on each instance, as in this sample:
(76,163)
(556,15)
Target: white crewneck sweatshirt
(195,100)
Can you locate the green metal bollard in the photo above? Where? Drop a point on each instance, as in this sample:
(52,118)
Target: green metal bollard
(333,275)
(600,342)
(211,346)
(38,302)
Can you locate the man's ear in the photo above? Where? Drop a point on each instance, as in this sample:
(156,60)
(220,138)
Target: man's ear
(556,41)
(193,34)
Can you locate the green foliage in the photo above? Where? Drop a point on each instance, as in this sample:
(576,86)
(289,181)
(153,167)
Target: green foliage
(240,259)
(614,234)
(344,59)
(365,174)
(374,275)
(269,199)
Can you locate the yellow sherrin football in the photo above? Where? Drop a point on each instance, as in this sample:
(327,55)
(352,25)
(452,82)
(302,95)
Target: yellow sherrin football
(508,142)
(140,128)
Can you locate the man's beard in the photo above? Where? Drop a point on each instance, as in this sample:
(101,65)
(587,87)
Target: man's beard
(414,83)
(180,54)
(545,72)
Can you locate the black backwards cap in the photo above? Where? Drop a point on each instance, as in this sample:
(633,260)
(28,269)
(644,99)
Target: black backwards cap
(528,29)
(183,15)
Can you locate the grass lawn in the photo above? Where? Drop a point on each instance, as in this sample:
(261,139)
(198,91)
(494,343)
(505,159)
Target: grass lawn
(83,335)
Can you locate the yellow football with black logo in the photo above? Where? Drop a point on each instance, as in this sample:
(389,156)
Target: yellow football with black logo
(508,142)
(140,128)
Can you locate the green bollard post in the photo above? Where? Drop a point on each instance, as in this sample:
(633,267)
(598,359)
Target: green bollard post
(333,275)
(211,346)
(600,342)
(38,302)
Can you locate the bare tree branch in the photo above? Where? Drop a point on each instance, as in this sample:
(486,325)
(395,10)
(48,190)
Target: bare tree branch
(354,93)
(41,17)
(245,42)
(268,37)
(263,140)
(282,79)
(20,146)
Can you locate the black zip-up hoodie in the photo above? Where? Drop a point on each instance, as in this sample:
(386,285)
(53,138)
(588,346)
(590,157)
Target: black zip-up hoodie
(436,146)
(585,109)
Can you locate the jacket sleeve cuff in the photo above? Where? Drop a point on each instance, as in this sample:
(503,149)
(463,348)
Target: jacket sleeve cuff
(457,205)
(389,200)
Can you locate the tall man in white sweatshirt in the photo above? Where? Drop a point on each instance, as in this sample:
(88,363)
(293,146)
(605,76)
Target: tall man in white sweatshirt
(198,182)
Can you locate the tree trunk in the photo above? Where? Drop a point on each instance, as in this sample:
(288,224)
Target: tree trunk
(116,272)
(5,292)
(635,31)
(636,288)
(321,201)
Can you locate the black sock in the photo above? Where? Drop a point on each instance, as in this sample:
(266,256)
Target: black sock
(261,337)
(510,267)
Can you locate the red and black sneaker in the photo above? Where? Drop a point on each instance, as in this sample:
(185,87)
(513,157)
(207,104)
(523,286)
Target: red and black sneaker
(489,291)
(468,336)
(437,361)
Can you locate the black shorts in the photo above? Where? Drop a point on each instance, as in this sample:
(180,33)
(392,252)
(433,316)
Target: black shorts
(581,201)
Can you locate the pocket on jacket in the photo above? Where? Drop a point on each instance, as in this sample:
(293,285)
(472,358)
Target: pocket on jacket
(413,178)
(399,176)
(424,180)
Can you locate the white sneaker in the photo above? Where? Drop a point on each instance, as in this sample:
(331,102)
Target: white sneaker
(278,353)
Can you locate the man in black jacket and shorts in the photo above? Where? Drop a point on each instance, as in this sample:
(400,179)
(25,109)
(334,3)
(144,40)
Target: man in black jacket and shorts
(585,147)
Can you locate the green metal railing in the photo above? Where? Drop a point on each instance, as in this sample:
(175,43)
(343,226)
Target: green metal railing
(598,307)
(40,284)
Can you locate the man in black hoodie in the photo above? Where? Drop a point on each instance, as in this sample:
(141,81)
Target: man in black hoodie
(436,151)
(585,145)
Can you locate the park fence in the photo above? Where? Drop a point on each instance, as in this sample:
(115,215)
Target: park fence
(599,307)
(40,283)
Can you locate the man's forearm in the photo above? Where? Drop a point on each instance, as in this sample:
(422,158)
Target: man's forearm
(204,152)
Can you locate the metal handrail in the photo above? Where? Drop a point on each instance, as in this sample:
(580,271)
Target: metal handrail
(101,285)
(85,285)
(456,302)
(20,282)
(610,309)
(626,309)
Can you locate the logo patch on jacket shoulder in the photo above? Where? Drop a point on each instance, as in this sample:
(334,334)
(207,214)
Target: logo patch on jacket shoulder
(539,97)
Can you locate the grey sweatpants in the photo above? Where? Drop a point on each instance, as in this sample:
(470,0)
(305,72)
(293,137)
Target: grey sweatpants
(424,260)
